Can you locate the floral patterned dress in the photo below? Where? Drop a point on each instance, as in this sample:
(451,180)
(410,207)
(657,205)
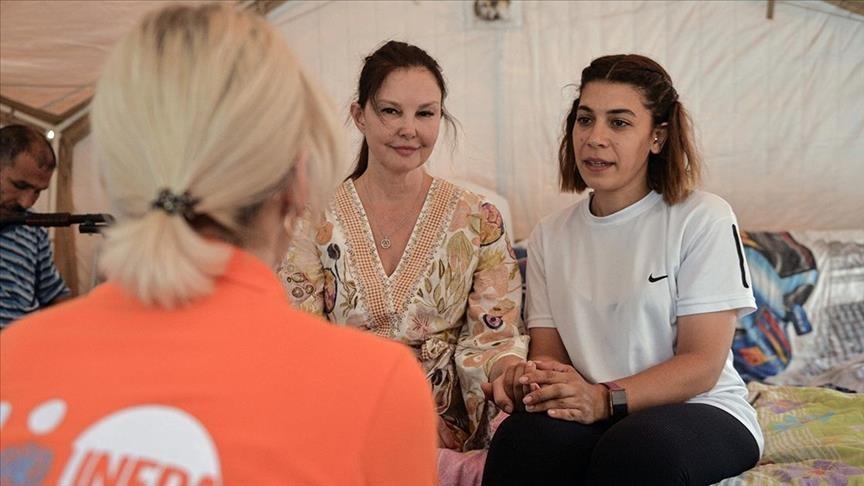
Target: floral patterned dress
(454,297)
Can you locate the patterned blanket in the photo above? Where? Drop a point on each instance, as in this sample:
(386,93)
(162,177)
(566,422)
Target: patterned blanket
(813,436)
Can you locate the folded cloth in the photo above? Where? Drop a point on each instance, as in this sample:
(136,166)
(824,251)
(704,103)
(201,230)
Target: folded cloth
(460,468)
(464,468)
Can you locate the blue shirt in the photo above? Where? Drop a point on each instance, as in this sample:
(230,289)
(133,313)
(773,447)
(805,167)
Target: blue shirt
(28,277)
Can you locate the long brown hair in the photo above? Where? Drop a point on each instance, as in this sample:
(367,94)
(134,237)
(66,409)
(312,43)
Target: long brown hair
(676,170)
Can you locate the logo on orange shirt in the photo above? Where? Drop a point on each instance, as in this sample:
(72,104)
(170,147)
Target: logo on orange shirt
(146,444)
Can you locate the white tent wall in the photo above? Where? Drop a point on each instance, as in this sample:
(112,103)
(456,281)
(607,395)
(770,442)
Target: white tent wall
(777,103)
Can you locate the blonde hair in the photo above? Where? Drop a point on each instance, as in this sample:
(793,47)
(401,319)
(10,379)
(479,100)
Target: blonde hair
(207,101)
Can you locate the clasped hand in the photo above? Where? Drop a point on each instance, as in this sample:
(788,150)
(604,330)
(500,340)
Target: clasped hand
(551,387)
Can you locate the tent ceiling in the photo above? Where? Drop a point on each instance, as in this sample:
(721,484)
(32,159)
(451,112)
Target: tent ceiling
(855,6)
(51,51)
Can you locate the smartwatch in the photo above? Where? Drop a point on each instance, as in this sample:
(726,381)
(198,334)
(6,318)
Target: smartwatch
(617,400)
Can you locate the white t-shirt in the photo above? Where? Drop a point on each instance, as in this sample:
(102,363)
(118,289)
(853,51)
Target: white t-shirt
(614,286)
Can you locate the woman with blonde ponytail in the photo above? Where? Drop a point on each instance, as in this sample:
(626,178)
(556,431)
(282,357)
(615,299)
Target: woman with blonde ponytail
(188,364)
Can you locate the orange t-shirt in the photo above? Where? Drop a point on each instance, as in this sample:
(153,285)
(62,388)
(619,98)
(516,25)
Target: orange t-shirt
(234,388)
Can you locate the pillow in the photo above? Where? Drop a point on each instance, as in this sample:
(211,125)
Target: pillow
(809,289)
(521,252)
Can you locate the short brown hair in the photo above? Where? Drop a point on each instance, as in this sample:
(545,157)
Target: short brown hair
(15,139)
(676,170)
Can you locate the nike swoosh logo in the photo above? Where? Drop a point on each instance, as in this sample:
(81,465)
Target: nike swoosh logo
(652,278)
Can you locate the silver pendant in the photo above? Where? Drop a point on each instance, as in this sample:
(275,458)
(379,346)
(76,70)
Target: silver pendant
(385,242)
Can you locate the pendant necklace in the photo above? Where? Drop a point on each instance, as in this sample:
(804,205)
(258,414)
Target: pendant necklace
(385,242)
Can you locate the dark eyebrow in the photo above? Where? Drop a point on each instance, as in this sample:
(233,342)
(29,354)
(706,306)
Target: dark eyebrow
(23,184)
(616,111)
(431,104)
(621,111)
(26,185)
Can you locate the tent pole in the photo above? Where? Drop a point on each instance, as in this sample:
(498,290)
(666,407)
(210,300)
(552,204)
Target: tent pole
(26,118)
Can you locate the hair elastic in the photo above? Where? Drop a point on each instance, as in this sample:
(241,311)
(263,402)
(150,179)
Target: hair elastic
(173,204)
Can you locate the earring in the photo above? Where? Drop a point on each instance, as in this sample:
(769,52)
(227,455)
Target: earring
(656,139)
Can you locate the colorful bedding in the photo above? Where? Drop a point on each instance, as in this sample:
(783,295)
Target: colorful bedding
(813,436)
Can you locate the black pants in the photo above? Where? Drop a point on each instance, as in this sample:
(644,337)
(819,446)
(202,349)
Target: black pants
(684,443)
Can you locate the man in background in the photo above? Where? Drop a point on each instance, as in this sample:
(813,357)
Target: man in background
(29,279)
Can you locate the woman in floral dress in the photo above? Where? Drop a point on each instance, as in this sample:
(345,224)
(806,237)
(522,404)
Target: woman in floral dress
(414,258)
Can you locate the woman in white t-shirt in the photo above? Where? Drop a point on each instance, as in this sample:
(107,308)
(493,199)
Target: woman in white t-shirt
(633,296)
